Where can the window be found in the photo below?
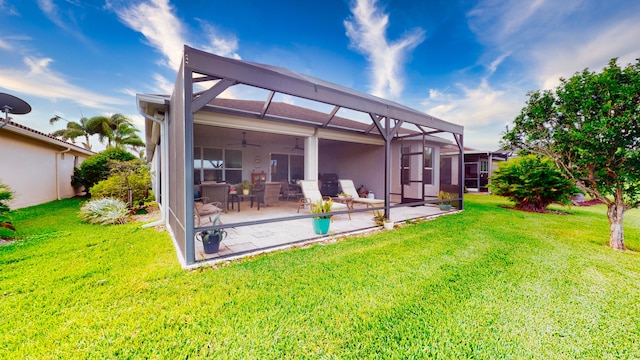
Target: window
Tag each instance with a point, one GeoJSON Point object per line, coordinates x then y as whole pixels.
{"type": "Point", "coordinates": [427, 177]}
{"type": "Point", "coordinates": [217, 165]}
{"type": "Point", "coordinates": [286, 167]}
{"type": "Point", "coordinates": [484, 166]}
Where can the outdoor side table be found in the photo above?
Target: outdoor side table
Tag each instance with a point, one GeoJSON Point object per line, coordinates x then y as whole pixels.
{"type": "Point", "coordinates": [241, 197]}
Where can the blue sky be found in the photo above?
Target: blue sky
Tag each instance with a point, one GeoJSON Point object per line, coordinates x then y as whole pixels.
{"type": "Point", "coordinates": [468, 62]}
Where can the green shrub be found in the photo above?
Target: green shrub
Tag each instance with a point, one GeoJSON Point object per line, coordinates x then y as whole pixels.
{"type": "Point", "coordinates": [125, 175]}
{"type": "Point", "coordinates": [532, 182]}
{"type": "Point", "coordinates": [6, 227]}
{"type": "Point", "coordinates": [97, 167]}
{"type": "Point", "coordinates": [104, 211]}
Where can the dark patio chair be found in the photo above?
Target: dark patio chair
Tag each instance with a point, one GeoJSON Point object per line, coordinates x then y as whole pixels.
{"type": "Point", "coordinates": [290, 190]}
{"type": "Point", "coordinates": [216, 193]}
{"type": "Point", "coordinates": [269, 195]}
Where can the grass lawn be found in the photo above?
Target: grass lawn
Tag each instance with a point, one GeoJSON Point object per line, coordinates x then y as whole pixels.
{"type": "Point", "coordinates": [487, 283]}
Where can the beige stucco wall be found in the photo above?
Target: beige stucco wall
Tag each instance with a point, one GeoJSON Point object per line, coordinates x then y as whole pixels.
{"type": "Point", "coordinates": [28, 167]}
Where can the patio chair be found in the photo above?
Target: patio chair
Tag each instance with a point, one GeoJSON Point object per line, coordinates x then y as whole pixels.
{"type": "Point", "coordinates": [312, 195]}
{"type": "Point", "coordinates": [290, 190]}
{"type": "Point", "coordinates": [218, 192]}
{"type": "Point", "coordinates": [269, 194]}
{"type": "Point", "coordinates": [350, 190]}
{"type": "Point", "coordinates": [203, 208]}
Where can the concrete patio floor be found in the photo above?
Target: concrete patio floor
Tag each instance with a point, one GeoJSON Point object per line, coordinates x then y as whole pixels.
{"type": "Point", "coordinates": [243, 241]}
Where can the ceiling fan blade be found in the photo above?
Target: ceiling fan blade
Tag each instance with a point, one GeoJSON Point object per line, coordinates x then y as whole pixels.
{"type": "Point", "coordinates": [295, 147]}
{"type": "Point", "coordinates": [244, 142]}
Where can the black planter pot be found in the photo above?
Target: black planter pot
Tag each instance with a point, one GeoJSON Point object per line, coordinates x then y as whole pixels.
{"type": "Point", "coordinates": [211, 241]}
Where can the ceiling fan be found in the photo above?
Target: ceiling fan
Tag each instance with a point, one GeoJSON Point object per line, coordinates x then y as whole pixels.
{"type": "Point", "coordinates": [296, 147]}
{"type": "Point", "coordinates": [244, 142]}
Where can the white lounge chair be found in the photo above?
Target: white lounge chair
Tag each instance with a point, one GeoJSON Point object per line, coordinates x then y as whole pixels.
{"type": "Point", "coordinates": [312, 195]}
{"type": "Point", "coordinates": [350, 190]}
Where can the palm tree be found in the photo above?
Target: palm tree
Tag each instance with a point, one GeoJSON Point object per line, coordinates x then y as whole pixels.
{"type": "Point", "coordinates": [126, 134]}
{"type": "Point", "coordinates": [118, 130]}
{"type": "Point", "coordinates": [73, 130]}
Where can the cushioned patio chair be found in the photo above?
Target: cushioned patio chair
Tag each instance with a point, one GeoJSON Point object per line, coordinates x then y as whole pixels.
{"type": "Point", "coordinates": [203, 208]}
{"type": "Point", "coordinates": [216, 192]}
{"type": "Point", "coordinates": [269, 194]}
{"type": "Point", "coordinates": [312, 195]}
{"type": "Point", "coordinates": [350, 190]}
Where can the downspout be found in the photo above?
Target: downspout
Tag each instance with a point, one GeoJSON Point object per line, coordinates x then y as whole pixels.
{"type": "Point", "coordinates": [57, 172]}
{"type": "Point", "coordinates": [163, 184]}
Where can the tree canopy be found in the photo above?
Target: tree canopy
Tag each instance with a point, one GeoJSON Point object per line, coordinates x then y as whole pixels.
{"type": "Point", "coordinates": [589, 126]}
{"type": "Point", "coordinates": [73, 130]}
{"type": "Point", "coordinates": [117, 130]}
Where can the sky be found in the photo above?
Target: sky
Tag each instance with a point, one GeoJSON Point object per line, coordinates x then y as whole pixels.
{"type": "Point", "coordinates": [467, 62]}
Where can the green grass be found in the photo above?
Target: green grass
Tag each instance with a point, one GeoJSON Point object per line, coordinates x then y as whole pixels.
{"type": "Point", "coordinates": [487, 283]}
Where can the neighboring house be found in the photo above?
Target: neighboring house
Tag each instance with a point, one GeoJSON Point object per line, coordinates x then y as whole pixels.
{"type": "Point", "coordinates": [37, 166]}
{"type": "Point", "coordinates": [287, 126]}
{"type": "Point", "coordinates": [479, 166]}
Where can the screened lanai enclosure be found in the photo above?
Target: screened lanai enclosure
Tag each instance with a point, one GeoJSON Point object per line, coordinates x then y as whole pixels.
{"type": "Point", "coordinates": [231, 121]}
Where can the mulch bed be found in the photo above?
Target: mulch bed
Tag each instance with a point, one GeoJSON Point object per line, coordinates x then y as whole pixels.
{"type": "Point", "coordinates": [545, 211]}
{"type": "Point", "coordinates": [589, 202]}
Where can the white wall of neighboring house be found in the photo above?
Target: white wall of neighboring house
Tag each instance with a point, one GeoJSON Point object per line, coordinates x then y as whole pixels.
{"type": "Point", "coordinates": [37, 167]}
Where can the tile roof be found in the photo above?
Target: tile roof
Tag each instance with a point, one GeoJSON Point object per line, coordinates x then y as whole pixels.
{"type": "Point", "coordinates": [49, 138]}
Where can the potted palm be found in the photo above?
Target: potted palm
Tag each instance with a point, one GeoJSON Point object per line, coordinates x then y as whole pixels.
{"type": "Point", "coordinates": [211, 239]}
{"type": "Point", "coordinates": [246, 186]}
{"type": "Point", "coordinates": [445, 205]}
{"type": "Point", "coordinates": [321, 223]}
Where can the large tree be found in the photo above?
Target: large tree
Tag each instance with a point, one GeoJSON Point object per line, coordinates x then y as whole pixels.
{"type": "Point", "coordinates": [118, 130]}
{"type": "Point", "coordinates": [589, 126]}
{"type": "Point", "coordinates": [73, 130]}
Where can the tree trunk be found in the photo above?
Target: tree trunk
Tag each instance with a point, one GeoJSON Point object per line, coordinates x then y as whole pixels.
{"type": "Point", "coordinates": [615, 212]}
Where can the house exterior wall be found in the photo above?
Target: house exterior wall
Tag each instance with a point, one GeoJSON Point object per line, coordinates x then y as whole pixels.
{"type": "Point", "coordinates": [178, 144]}
{"type": "Point", "coordinates": [364, 164]}
{"type": "Point", "coordinates": [29, 169]}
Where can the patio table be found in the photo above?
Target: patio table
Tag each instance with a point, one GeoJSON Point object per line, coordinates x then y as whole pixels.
{"type": "Point", "coordinates": [241, 197]}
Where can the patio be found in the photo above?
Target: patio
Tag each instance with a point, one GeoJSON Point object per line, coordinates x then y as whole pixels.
{"type": "Point", "coordinates": [287, 126]}
{"type": "Point", "coordinates": [243, 241]}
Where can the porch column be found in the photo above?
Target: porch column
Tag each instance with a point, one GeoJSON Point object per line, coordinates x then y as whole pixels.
{"type": "Point", "coordinates": [311, 158]}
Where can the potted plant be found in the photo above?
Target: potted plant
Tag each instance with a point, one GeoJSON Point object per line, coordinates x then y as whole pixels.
{"type": "Point", "coordinates": [445, 205]}
{"type": "Point", "coordinates": [211, 239]}
{"type": "Point", "coordinates": [321, 223]}
{"type": "Point", "coordinates": [388, 224]}
{"type": "Point", "coordinates": [380, 220]}
{"type": "Point", "coordinates": [246, 186]}
{"type": "Point", "coordinates": [378, 217]}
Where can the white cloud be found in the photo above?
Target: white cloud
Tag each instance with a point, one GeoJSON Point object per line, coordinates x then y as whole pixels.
{"type": "Point", "coordinates": [155, 19]}
{"type": "Point", "coordinates": [473, 106]}
{"type": "Point", "coordinates": [553, 39]}
{"type": "Point", "coordinates": [37, 79]}
{"type": "Point", "coordinates": [219, 43]}
{"type": "Point", "coordinates": [162, 85]}
{"type": "Point", "coordinates": [65, 20]}
{"type": "Point", "coordinates": [4, 45]}
{"type": "Point", "coordinates": [564, 58]}
{"type": "Point", "coordinates": [367, 32]}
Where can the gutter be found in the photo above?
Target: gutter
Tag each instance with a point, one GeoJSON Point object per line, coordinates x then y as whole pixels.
{"type": "Point", "coordinates": [57, 172]}
{"type": "Point", "coordinates": [163, 185]}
